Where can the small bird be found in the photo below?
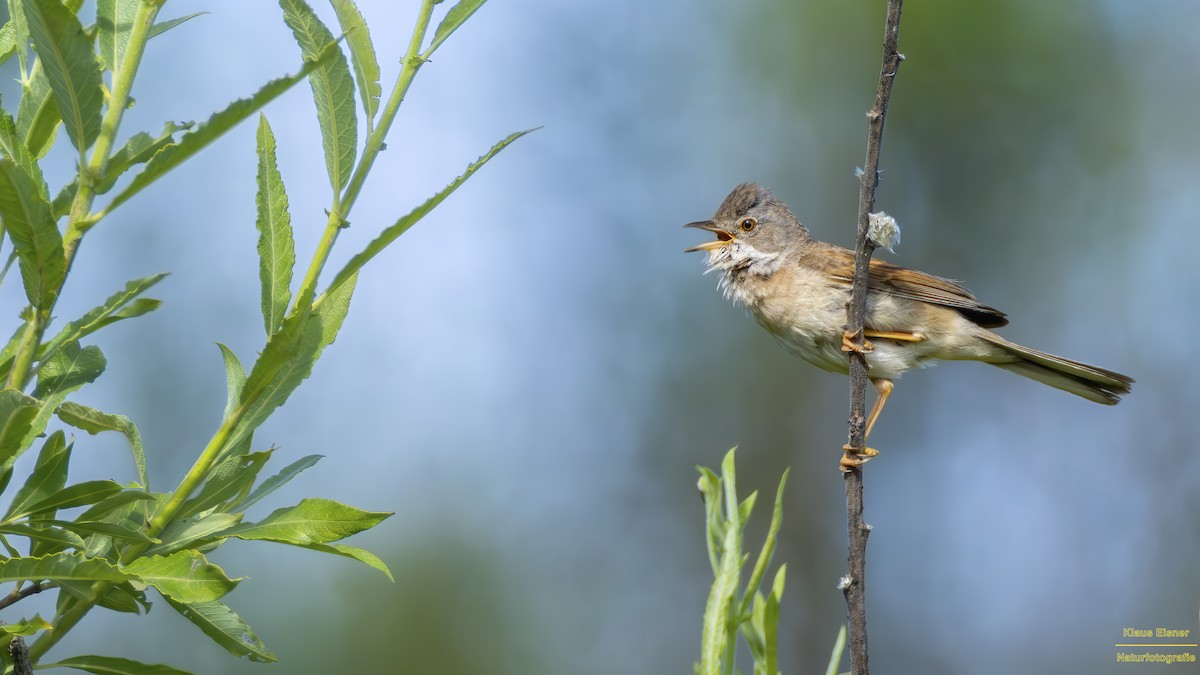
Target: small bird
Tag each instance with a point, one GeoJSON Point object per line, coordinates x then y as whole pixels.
{"type": "Point", "coordinates": [798, 289]}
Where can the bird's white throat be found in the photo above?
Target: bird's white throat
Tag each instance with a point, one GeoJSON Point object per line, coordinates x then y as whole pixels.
{"type": "Point", "coordinates": [736, 261]}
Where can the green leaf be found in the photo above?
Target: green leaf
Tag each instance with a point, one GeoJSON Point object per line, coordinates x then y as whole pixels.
{"type": "Point", "coordinates": [230, 481]}
{"type": "Point", "coordinates": [835, 658]}
{"type": "Point", "coordinates": [27, 627]}
{"type": "Point", "coordinates": [103, 508]}
{"type": "Point", "coordinates": [226, 628]}
{"type": "Point", "coordinates": [235, 378]}
{"type": "Point", "coordinates": [93, 421]}
{"type": "Point", "coordinates": [39, 246]}
{"type": "Point", "coordinates": [276, 249]}
{"type": "Point", "coordinates": [332, 311]}
{"type": "Point", "coordinates": [164, 26]}
{"type": "Point", "coordinates": [284, 363]}
{"type": "Point", "coordinates": [65, 52]}
{"type": "Point", "coordinates": [360, 554]}
{"type": "Point", "coordinates": [139, 149]}
{"type": "Point", "coordinates": [333, 91]}
{"type": "Point", "coordinates": [70, 368]}
{"type": "Point", "coordinates": [59, 567]}
{"type": "Point", "coordinates": [277, 481]}
{"type": "Point", "coordinates": [37, 114]}
{"type": "Point", "coordinates": [118, 306]}
{"type": "Point", "coordinates": [87, 528]}
{"type": "Point", "coordinates": [80, 494]}
{"type": "Point", "coordinates": [17, 415]}
{"type": "Point", "coordinates": [184, 533]}
{"type": "Point", "coordinates": [123, 598]}
{"type": "Point", "coordinates": [16, 13]}
{"type": "Point", "coordinates": [8, 40]}
{"type": "Point", "coordinates": [186, 576]}
{"type": "Point", "coordinates": [114, 21]}
{"type": "Point", "coordinates": [48, 477]}
{"type": "Point", "coordinates": [454, 18]}
{"type": "Point", "coordinates": [173, 155]}
{"type": "Point", "coordinates": [13, 147]}
{"type": "Point", "coordinates": [51, 536]}
{"type": "Point", "coordinates": [111, 665]}
{"type": "Point", "coordinates": [768, 547]}
{"type": "Point", "coordinates": [312, 521]}
{"type": "Point", "coordinates": [401, 226]}
{"type": "Point", "coordinates": [362, 55]}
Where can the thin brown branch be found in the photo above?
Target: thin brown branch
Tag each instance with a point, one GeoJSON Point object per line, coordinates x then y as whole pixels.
{"type": "Point", "coordinates": [854, 585]}
{"type": "Point", "coordinates": [19, 595]}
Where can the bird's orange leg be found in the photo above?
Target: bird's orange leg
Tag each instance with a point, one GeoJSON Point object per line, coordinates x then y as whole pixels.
{"type": "Point", "coordinates": [902, 336]}
{"type": "Point", "coordinates": [853, 458]}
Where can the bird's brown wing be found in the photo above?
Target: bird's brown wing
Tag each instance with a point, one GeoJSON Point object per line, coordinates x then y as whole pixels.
{"type": "Point", "coordinates": [906, 283]}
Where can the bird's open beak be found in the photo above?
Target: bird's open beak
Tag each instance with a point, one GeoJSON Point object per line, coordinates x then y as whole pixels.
{"type": "Point", "coordinates": [723, 237]}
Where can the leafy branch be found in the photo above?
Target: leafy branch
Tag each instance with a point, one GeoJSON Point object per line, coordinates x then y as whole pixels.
{"type": "Point", "coordinates": [128, 539]}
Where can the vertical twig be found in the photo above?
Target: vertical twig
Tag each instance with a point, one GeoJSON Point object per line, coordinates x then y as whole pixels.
{"type": "Point", "coordinates": [854, 584]}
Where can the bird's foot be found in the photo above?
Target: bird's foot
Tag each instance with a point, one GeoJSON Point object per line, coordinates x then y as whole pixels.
{"type": "Point", "coordinates": [848, 344]}
{"type": "Point", "coordinates": [854, 458]}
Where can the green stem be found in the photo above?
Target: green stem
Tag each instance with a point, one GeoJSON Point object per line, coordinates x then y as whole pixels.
{"type": "Point", "coordinates": [118, 100]}
{"type": "Point", "coordinates": [80, 221]}
{"type": "Point", "coordinates": [413, 61]}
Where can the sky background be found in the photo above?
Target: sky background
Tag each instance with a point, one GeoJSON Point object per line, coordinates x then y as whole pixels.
{"type": "Point", "coordinates": [529, 377]}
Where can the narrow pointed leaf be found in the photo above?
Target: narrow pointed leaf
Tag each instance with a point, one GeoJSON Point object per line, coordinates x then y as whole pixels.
{"type": "Point", "coordinates": [65, 52]}
{"type": "Point", "coordinates": [277, 481]}
{"type": "Point", "coordinates": [69, 369]}
{"type": "Point", "coordinates": [230, 481]}
{"type": "Point", "coordinates": [185, 533]}
{"type": "Point", "coordinates": [192, 142]}
{"type": "Point", "coordinates": [276, 249]}
{"type": "Point", "coordinates": [185, 576]}
{"type": "Point", "coordinates": [401, 226]}
{"type": "Point", "coordinates": [123, 598]}
{"type": "Point", "coordinates": [13, 147]}
{"type": "Point", "coordinates": [80, 494]}
{"type": "Point", "coordinates": [360, 554]}
{"type": "Point", "coordinates": [164, 26]}
{"type": "Point", "coordinates": [115, 308]}
{"type": "Point", "coordinates": [48, 477]}
{"type": "Point", "coordinates": [111, 665]}
{"type": "Point", "coordinates": [333, 91]}
{"type": "Point", "coordinates": [139, 149]}
{"type": "Point", "coordinates": [839, 647]}
{"type": "Point", "coordinates": [235, 378]}
{"type": "Point", "coordinates": [17, 415]}
{"type": "Point", "coordinates": [37, 115]}
{"type": "Point", "coordinates": [51, 536]}
{"type": "Point", "coordinates": [102, 509]}
{"type": "Point", "coordinates": [35, 235]}
{"type": "Point", "coordinates": [284, 363]}
{"type": "Point", "coordinates": [114, 21]}
{"type": "Point", "coordinates": [226, 628]}
{"type": "Point", "coordinates": [59, 567]}
{"type": "Point", "coordinates": [93, 421]}
{"type": "Point", "coordinates": [454, 18]}
{"type": "Point", "coordinates": [333, 309]}
{"type": "Point", "coordinates": [362, 55]}
{"type": "Point", "coordinates": [87, 528]}
{"type": "Point", "coordinates": [312, 521]}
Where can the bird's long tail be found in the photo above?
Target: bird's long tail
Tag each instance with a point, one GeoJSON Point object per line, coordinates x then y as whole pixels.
{"type": "Point", "coordinates": [1090, 382]}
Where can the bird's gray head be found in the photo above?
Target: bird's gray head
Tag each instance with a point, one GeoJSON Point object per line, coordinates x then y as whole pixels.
{"type": "Point", "coordinates": [755, 232]}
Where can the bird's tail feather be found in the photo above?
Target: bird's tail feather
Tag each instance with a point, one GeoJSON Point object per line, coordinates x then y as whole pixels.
{"type": "Point", "coordinates": [1090, 382]}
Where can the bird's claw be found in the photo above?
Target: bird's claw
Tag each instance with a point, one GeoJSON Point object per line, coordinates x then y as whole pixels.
{"type": "Point", "coordinates": [849, 345]}
{"type": "Point", "coordinates": [854, 458]}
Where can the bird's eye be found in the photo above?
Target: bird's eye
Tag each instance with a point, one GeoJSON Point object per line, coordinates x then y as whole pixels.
{"type": "Point", "coordinates": [747, 224]}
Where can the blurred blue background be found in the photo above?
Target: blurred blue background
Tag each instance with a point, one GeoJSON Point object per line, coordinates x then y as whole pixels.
{"type": "Point", "coordinates": [530, 375]}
